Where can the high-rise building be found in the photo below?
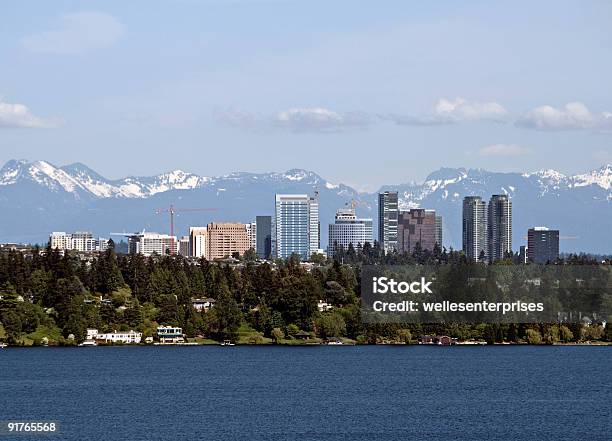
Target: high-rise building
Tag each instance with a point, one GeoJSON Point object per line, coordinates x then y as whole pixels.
{"type": "Point", "coordinates": [439, 230]}
{"type": "Point", "coordinates": [82, 241]}
{"type": "Point", "coordinates": [147, 243]}
{"type": "Point", "coordinates": [474, 227]}
{"type": "Point", "coordinates": [225, 239]}
{"type": "Point", "coordinates": [542, 245]}
{"type": "Point", "coordinates": [387, 220]}
{"type": "Point", "coordinates": [197, 241]}
{"type": "Point", "coordinates": [296, 225]}
{"type": "Point", "coordinates": [416, 226]}
{"type": "Point", "coordinates": [499, 227]}
{"type": "Point", "coordinates": [252, 233]}
{"type": "Point", "coordinates": [263, 244]}
{"type": "Point", "coordinates": [348, 229]}
{"type": "Point", "coordinates": [183, 246]}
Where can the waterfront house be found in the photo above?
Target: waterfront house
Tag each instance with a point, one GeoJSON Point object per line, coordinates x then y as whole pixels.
{"type": "Point", "coordinates": [440, 340]}
{"type": "Point", "coordinates": [170, 334]}
{"type": "Point", "coordinates": [120, 337]}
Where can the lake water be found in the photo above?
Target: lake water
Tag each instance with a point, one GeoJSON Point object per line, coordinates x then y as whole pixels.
{"type": "Point", "coordinates": [311, 393]}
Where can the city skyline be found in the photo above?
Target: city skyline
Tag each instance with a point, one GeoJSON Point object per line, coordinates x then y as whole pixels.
{"type": "Point", "coordinates": [450, 83]}
{"type": "Point", "coordinates": [77, 198]}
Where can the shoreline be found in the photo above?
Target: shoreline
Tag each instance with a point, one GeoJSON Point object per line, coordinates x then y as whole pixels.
{"type": "Point", "coordinates": [475, 344]}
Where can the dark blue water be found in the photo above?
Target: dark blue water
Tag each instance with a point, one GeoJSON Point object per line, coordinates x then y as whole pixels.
{"type": "Point", "coordinates": [311, 393]}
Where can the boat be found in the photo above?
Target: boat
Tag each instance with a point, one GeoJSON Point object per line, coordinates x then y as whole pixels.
{"type": "Point", "coordinates": [228, 343]}
{"type": "Point", "coordinates": [3, 345]}
{"type": "Point", "coordinates": [335, 342]}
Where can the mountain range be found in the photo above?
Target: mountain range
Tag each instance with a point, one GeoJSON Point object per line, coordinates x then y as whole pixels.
{"type": "Point", "coordinates": [37, 197]}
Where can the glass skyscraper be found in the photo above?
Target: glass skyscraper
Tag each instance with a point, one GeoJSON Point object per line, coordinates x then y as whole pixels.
{"type": "Point", "coordinates": [263, 241]}
{"type": "Point", "coordinates": [474, 227]}
{"type": "Point", "coordinates": [388, 212]}
{"type": "Point", "coordinates": [296, 225]}
{"type": "Point", "coordinates": [499, 227]}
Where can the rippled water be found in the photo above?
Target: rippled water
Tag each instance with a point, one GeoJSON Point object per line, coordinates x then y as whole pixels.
{"type": "Point", "coordinates": [311, 393]}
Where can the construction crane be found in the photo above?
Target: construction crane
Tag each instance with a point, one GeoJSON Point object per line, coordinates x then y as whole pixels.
{"type": "Point", "coordinates": [172, 210]}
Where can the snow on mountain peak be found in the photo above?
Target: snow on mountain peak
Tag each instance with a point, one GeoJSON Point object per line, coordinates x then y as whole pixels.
{"type": "Point", "coordinates": [549, 175]}
{"type": "Point", "coordinates": [601, 177]}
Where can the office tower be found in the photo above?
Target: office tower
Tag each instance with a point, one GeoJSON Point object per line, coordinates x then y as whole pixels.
{"type": "Point", "coordinates": [296, 225]}
{"type": "Point", "coordinates": [314, 230]}
{"type": "Point", "coordinates": [499, 227]}
{"type": "Point", "coordinates": [387, 220]}
{"type": "Point", "coordinates": [347, 229]}
{"type": "Point", "coordinates": [474, 227]}
{"type": "Point", "coordinates": [416, 226]}
{"type": "Point", "coordinates": [542, 245]}
{"type": "Point", "coordinates": [264, 236]}
{"type": "Point", "coordinates": [197, 241]}
{"type": "Point", "coordinates": [183, 246]}
{"type": "Point", "coordinates": [439, 230]}
{"type": "Point", "coordinates": [147, 243]}
{"type": "Point", "coordinates": [225, 239]}
{"type": "Point", "coordinates": [523, 254]}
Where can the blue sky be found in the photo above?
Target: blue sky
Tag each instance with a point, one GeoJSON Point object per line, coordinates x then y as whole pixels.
{"type": "Point", "coordinates": [363, 93]}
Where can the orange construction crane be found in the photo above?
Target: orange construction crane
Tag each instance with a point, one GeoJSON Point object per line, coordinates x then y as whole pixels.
{"type": "Point", "coordinates": [171, 210]}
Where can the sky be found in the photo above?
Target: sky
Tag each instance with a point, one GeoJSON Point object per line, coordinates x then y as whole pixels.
{"type": "Point", "coordinates": [362, 92]}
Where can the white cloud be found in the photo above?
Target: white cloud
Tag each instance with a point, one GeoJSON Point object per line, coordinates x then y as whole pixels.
{"type": "Point", "coordinates": [503, 150]}
{"type": "Point", "coordinates": [318, 119]}
{"type": "Point", "coordinates": [80, 31]}
{"type": "Point", "coordinates": [452, 111]}
{"type": "Point", "coordinates": [297, 120]}
{"type": "Point", "coordinates": [572, 116]}
{"type": "Point", "coordinates": [19, 116]}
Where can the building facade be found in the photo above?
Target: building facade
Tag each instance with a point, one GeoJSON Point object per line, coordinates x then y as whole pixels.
{"type": "Point", "coordinates": [499, 227]}
{"type": "Point", "coordinates": [225, 239]}
{"type": "Point", "coordinates": [474, 227]}
{"type": "Point", "coordinates": [542, 245]}
{"type": "Point", "coordinates": [148, 243]}
{"type": "Point", "coordinates": [263, 241]}
{"type": "Point", "coordinates": [252, 232]}
{"type": "Point", "coordinates": [121, 337]}
{"type": "Point", "coordinates": [388, 212]}
{"type": "Point", "coordinates": [439, 236]}
{"type": "Point", "coordinates": [183, 246]}
{"type": "Point", "coordinates": [416, 226]}
{"type": "Point", "coordinates": [82, 241]}
{"type": "Point", "coordinates": [296, 225]}
{"type": "Point", "coordinates": [347, 229]}
{"type": "Point", "coordinates": [197, 241]}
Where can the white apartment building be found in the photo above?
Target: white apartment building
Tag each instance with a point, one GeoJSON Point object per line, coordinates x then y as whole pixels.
{"type": "Point", "coordinates": [197, 241]}
{"type": "Point", "coordinates": [147, 243]}
{"type": "Point", "coordinates": [82, 241]}
{"type": "Point", "coordinates": [252, 233]}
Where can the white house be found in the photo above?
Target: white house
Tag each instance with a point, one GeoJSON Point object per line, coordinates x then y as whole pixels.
{"type": "Point", "coordinates": [125, 337]}
{"type": "Point", "coordinates": [203, 304]}
{"type": "Point", "coordinates": [170, 334]}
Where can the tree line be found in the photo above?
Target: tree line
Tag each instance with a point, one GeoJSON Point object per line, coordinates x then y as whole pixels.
{"type": "Point", "coordinates": [50, 296]}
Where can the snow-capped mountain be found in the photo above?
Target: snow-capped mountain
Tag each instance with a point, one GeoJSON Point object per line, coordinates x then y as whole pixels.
{"type": "Point", "coordinates": [39, 197]}
{"type": "Point", "coordinates": [77, 178]}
